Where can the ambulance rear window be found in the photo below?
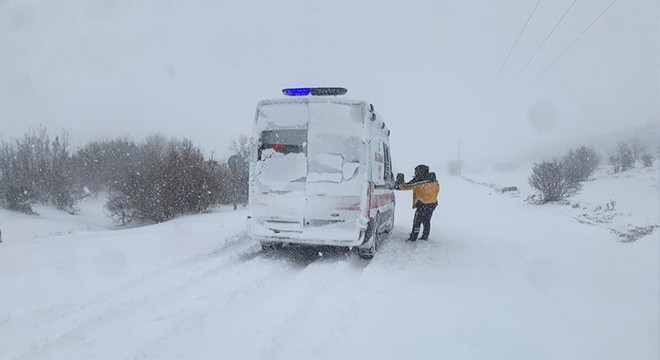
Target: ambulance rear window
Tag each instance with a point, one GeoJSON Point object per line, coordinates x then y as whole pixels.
{"type": "Point", "coordinates": [282, 142]}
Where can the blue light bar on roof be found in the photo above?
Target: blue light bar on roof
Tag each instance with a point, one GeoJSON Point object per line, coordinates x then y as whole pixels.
{"type": "Point", "coordinates": [296, 91]}
{"type": "Point", "coordinates": [319, 91]}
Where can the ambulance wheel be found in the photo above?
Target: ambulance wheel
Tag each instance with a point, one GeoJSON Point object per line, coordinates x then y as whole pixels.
{"type": "Point", "coordinates": [369, 251]}
{"type": "Point", "coordinates": [390, 225]}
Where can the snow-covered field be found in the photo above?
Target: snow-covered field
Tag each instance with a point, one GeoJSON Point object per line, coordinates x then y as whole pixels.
{"type": "Point", "coordinates": [499, 279]}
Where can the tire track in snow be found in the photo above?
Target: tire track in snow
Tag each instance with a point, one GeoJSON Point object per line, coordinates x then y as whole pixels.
{"type": "Point", "coordinates": [108, 310]}
{"type": "Point", "coordinates": [110, 302]}
{"type": "Point", "coordinates": [197, 278]}
{"type": "Point", "coordinates": [184, 313]}
{"type": "Point", "coordinates": [330, 299]}
{"type": "Point", "coordinates": [218, 252]}
{"type": "Point", "coordinates": [270, 293]}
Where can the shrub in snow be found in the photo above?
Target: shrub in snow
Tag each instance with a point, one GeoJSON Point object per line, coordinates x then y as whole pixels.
{"type": "Point", "coordinates": [549, 178]}
{"type": "Point", "coordinates": [17, 199]}
{"type": "Point", "coordinates": [627, 153]}
{"type": "Point", "coordinates": [615, 161]}
{"type": "Point", "coordinates": [610, 205]}
{"type": "Point", "coordinates": [154, 180]}
{"type": "Point", "coordinates": [580, 164]}
{"type": "Point", "coordinates": [36, 169]}
{"type": "Point", "coordinates": [100, 164]}
{"type": "Point", "coordinates": [120, 208]}
{"type": "Point", "coordinates": [647, 160]}
{"type": "Point", "coordinates": [182, 182]}
{"type": "Point", "coordinates": [625, 156]}
{"type": "Point", "coordinates": [555, 180]}
{"type": "Point", "coordinates": [637, 148]}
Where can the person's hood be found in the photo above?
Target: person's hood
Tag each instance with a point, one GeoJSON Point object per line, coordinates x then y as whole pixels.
{"type": "Point", "coordinates": [422, 169]}
{"type": "Point", "coordinates": [424, 176]}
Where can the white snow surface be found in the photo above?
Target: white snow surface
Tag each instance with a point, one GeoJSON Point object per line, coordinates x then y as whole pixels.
{"type": "Point", "coordinates": [498, 279]}
{"type": "Point", "coordinates": [280, 170]}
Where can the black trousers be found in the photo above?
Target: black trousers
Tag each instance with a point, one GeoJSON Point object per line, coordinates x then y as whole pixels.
{"type": "Point", "coordinates": [422, 217]}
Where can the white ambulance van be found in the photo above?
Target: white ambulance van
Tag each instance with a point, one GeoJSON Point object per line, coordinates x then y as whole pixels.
{"type": "Point", "coordinates": [320, 173]}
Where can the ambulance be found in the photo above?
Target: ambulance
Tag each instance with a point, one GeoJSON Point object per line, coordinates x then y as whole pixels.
{"type": "Point", "coordinates": [320, 172]}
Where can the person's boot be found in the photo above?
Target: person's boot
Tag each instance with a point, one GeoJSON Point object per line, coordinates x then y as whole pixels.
{"type": "Point", "coordinates": [425, 234]}
{"type": "Point", "coordinates": [413, 236]}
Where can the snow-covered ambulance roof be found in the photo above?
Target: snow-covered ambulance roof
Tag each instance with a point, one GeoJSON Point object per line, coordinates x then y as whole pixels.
{"type": "Point", "coordinates": [323, 95]}
{"type": "Point", "coordinates": [307, 100]}
{"type": "Point", "coordinates": [326, 99]}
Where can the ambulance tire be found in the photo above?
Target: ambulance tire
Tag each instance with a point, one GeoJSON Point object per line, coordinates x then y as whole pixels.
{"type": "Point", "coordinates": [368, 253]}
{"type": "Point", "coordinates": [390, 224]}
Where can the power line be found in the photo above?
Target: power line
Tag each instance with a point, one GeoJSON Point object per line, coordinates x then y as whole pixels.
{"type": "Point", "coordinates": [571, 45]}
{"type": "Point", "coordinates": [509, 53]}
{"type": "Point", "coordinates": [537, 50]}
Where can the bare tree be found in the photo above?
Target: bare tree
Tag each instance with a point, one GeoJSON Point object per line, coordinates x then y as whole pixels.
{"type": "Point", "coordinates": [242, 146]}
{"type": "Point", "coordinates": [549, 178]}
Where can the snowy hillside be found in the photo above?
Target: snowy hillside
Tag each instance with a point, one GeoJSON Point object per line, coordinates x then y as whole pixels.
{"type": "Point", "coordinates": [499, 279]}
{"type": "Point", "coordinates": [625, 203]}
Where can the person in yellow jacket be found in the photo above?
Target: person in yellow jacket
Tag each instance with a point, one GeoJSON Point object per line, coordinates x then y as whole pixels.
{"type": "Point", "coordinates": [425, 189]}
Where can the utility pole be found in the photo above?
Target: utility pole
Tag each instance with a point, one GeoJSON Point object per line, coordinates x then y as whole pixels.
{"type": "Point", "coordinates": [459, 165]}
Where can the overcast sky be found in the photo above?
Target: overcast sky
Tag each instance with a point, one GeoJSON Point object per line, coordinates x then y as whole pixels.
{"type": "Point", "coordinates": [196, 68]}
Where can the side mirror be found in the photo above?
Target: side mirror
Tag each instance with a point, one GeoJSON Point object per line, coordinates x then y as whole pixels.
{"type": "Point", "coordinates": [399, 178]}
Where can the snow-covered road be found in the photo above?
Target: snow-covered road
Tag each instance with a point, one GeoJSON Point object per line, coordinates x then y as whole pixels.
{"type": "Point", "coordinates": [498, 279]}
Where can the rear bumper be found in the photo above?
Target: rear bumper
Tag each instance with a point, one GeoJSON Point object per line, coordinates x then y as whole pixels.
{"type": "Point", "coordinates": [331, 235]}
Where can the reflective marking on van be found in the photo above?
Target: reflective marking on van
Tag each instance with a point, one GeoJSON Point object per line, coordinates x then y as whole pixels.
{"type": "Point", "coordinates": [381, 199]}
{"type": "Point", "coordinates": [350, 203]}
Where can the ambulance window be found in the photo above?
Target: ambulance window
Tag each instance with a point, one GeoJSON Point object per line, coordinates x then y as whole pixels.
{"type": "Point", "coordinates": [282, 142]}
{"type": "Point", "coordinates": [387, 175]}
